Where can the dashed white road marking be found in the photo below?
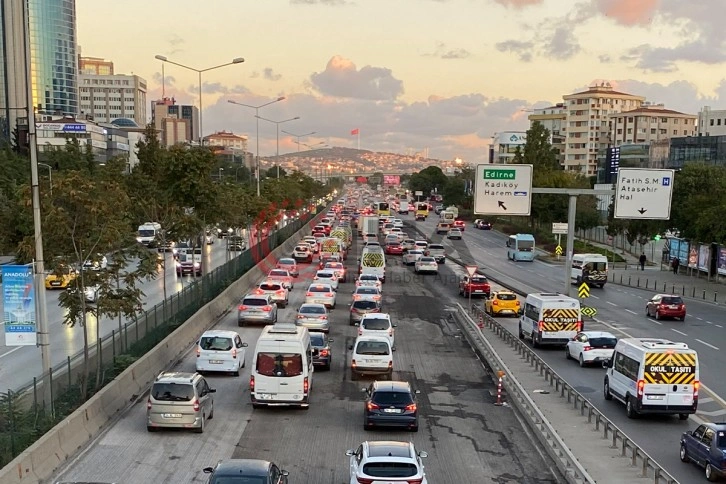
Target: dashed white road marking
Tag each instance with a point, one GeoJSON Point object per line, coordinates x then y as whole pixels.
{"type": "Point", "coordinates": [654, 321]}
{"type": "Point", "coordinates": [611, 303]}
{"type": "Point", "coordinates": [679, 332]}
{"type": "Point", "coordinates": [631, 312]}
{"type": "Point", "coordinates": [700, 319]}
{"type": "Point", "coordinates": [709, 322]}
{"type": "Point", "coordinates": [709, 345]}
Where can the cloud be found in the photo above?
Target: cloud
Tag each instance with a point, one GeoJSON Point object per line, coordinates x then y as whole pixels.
{"type": "Point", "coordinates": [521, 48]}
{"type": "Point", "coordinates": [443, 52]}
{"type": "Point", "coordinates": [176, 44]}
{"type": "Point", "coordinates": [604, 58]}
{"type": "Point", "coordinates": [216, 88]}
{"type": "Point", "coordinates": [341, 78]}
{"type": "Point", "coordinates": [519, 3]}
{"type": "Point", "coordinates": [254, 74]}
{"type": "Point", "coordinates": [270, 75]}
{"type": "Point", "coordinates": [168, 80]}
{"type": "Point", "coordinates": [628, 12]}
{"type": "Point", "coordinates": [562, 44]}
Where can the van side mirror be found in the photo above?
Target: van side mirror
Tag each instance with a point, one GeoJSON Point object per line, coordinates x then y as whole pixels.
{"type": "Point", "coordinates": [607, 364]}
{"type": "Point", "coordinates": [350, 347]}
{"type": "Point", "coordinates": [212, 390]}
{"type": "Point", "coordinates": [244, 345]}
{"type": "Point", "coordinates": [395, 325]}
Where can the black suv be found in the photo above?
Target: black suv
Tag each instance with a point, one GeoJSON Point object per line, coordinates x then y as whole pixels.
{"type": "Point", "coordinates": [246, 470]}
{"type": "Point", "coordinates": [390, 404]}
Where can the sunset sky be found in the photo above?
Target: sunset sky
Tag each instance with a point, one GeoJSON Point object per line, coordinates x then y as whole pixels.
{"type": "Point", "coordinates": [410, 74]}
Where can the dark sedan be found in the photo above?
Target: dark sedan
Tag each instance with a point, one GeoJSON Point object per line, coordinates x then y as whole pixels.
{"type": "Point", "coordinates": [390, 404]}
{"type": "Point", "coordinates": [245, 471]}
{"type": "Point", "coordinates": [482, 224]}
{"type": "Point", "coordinates": [322, 353]}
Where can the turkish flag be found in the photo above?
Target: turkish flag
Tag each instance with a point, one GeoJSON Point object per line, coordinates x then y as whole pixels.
{"type": "Point", "coordinates": [355, 131]}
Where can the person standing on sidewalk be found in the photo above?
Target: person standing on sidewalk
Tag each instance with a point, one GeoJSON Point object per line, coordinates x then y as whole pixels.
{"type": "Point", "coordinates": [675, 265]}
{"type": "Point", "coordinates": [642, 260]}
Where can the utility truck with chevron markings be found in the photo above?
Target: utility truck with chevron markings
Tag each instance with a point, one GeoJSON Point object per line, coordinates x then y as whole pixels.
{"type": "Point", "coordinates": [550, 319]}
{"type": "Point", "coordinates": [653, 375]}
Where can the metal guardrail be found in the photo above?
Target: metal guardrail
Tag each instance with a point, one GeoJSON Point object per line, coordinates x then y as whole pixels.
{"type": "Point", "coordinates": [643, 282]}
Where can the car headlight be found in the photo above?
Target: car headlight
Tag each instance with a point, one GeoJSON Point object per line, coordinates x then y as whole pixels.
{"type": "Point", "coordinates": [178, 265]}
{"type": "Point", "coordinates": [197, 265]}
{"type": "Point", "coordinates": [138, 239]}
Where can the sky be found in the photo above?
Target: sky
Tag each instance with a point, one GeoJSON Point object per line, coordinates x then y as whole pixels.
{"type": "Point", "coordinates": [442, 75]}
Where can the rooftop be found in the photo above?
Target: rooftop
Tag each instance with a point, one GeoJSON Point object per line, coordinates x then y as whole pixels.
{"type": "Point", "coordinates": [653, 110]}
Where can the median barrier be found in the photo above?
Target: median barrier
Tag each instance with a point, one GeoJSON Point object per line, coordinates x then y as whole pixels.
{"type": "Point", "coordinates": [44, 457]}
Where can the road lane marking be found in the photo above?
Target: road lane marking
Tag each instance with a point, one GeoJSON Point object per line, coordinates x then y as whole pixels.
{"type": "Point", "coordinates": [709, 322]}
{"type": "Point", "coordinates": [611, 303]}
{"type": "Point", "coordinates": [705, 400]}
{"type": "Point", "coordinates": [679, 332]}
{"type": "Point", "coordinates": [700, 319]}
{"type": "Point", "coordinates": [654, 321]}
{"type": "Point", "coordinates": [595, 297]}
{"type": "Point", "coordinates": [719, 326]}
{"type": "Point", "coordinates": [709, 345]}
{"type": "Point", "coordinates": [11, 351]}
{"type": "Point", "coordinates": [631, 312]}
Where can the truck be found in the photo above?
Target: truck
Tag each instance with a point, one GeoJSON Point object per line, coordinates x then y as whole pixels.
{"type": "Point", "coordinates": [369, 225]}
{"type": "Point", "coordinates": [453, 209]}
{"type": "Point", "coordinates": [403, 207]}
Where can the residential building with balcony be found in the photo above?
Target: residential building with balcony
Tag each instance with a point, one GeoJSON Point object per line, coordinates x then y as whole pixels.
{"type": "Point", "coordinates": [650, 123]}
{"type": "Point", "coordinates": [227, 140]}
{"type": "Point", "coordinates": [175, 123]}
{"type": "Point", "coordinates": [553, 118]}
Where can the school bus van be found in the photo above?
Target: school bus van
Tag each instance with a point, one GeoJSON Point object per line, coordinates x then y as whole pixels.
{"type": "Point", "coordinates": [550, 319]}
{"type": "Point", "coordinates": [589, 268]}
{"type": "Point", "coordinates": [653, 375]}
{"type": "Point", "coordinates": [373, 261]}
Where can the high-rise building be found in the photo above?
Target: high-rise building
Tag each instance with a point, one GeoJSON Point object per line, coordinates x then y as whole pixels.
{"type": "Point", "coordinates": [171, 131]}
{"type": "Point", "coordinates": [711, 122]}
{"type": "Point", "coordinates": [95, 65]}
{"type": "Point", "coordinates": [13, 98]}
{"type": "Point", "coordinates": [587, 124]}
{"type": "Point", "coordinates": [109, 97]}
{"type": "Point", "coordinates": [553, 119]}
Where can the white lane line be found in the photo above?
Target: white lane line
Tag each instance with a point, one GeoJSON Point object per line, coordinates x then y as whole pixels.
{"type": "Point", "coordinates": [700, 319]}
{"type": "Point", "coordinates": [719, 326]}
{"type": "Point", "coordinates": [709, 345]}
{"type": "Point", "coordinates": [631, 312]}
{"type": "Point", "coordinates": [11, 352]}
{"type": "Point", "coordinates": [611, 303]}
{"type": "Point", "coordinates": [539, 274]}
{"type": "Point", "coordinates": [656, 322]}
{"type": "Point", "coordinates": [679, 332]}
{"type": "Point", "coordinates": [595, 297]}
{"type": "Point", "coordinates": [708, 322]}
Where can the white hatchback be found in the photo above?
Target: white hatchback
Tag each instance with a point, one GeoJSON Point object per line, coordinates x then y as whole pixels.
{"type": "Point", "coordinates": [371, 355]}
{"type": "Point", "coordinates": [220, 350]}
{"type": "Point", "coordinates": [369, 280]}
{"type": "Point", "coordinates": [589, 347]}
{"type": "Point", "coordinates": [421, 245]}
{"type": "Point", "coordinates": [327, 276]}
{"type": "Point", "coordinates": [411, 256]}
{"type": "Point", "coordinates": [378, 324]}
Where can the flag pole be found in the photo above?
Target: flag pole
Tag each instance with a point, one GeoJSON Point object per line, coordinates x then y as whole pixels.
{"type": "Point", "coordinates": [359, 139]}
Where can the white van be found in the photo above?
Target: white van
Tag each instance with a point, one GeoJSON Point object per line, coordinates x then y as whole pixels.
{"type": "Point", "coordinates": [550, 319]}
{"type": "Point", "coordinates": [653, 375]}
{"type": "Point", "coordinates": [147, 233]}
{"type": "Point", "coordinates": [220, 350]}
{"type": "Point", "coordinates": [282, 368]}
{"type": "Point", "coordinates": [373, 261]}
{"type": "Point", "coordinates": [371, 355]}
{"type": "Point", "coordinates": [589, 268]}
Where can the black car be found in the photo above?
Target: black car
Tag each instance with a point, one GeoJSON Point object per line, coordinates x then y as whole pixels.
{"type": "Point", "coordinates": [235, 243]}
{"type": "Point", "coordinates": [482, 224]}
{"type": "Point", "coordinates": [390, 404]}
{"type": "Point", "coordinates": [244, 471]}
{"type": "Point", "coordinates": [322, 354]}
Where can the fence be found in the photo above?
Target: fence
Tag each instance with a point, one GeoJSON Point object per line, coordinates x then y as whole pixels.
{"type": "Point", "coordinates": [25, 415]}
{"type": "Point", "coordinates": [652, 283]}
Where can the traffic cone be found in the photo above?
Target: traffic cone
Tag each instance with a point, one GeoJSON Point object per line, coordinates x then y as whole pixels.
{"type": "Point", "coordinates": [500, 400]}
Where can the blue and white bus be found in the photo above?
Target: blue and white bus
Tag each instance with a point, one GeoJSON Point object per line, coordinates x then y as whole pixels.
{"type": "Point", "coordinates": [520, 247]}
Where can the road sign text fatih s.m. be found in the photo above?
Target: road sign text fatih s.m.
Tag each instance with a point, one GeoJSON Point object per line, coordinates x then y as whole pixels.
{"type": "Point", "coordinates": [643, 193]}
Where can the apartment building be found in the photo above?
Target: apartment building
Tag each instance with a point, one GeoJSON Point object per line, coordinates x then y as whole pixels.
{"type": "Point", "coordinates": [587, 124]}
{"type": "Point", "coordinates": [504, 146]}
{"type": "Point", "coordinates": [176, 123]}
{"type": "Point", "coordinates": [650, 123]}
{"type": "Point", "coordinates": [711, 123]}
{"type": "Point", "coordinates": [553, 118]}
{"type": "Point", "coordinates": [108, 97]}
{"type": "Point", "coordinates": [95, 65]}
{"type": "Point", "coordinates": [227, 140]}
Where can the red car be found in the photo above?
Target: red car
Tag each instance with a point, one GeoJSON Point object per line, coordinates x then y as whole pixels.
{"type": "Point", "coordinates": [394, 248]}
{"type": "Point", "coordinates": [460, 224]}
{"type": "Point", "coordinates": [477, 285]}
{"type": "Point", "coordinates": [666, 306]}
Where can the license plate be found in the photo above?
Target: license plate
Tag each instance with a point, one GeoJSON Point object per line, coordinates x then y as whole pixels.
{"type": "Point", "coordinates": [478, 291]}
{"type": "Point", "coordinates": [320, 301]}
{"type": "Point", "coordinates": [550, 333]}
{"type": "Point", "coordinates": [392, 410]}
{"type": "Point", "coordinates": [264, 396]}
{"type": "Point", "coordinates": [216, 362]}
{"type": "Point", "coordinates": [674, 307]}
{"type": "Point", "coordinates": [55, 283]}
{"type": "Point", "coordinates": [171, 415]}
{"type": "Point", "coordinates": [371, 361]}
{"type": "Point", "coordinates": [654, 397]}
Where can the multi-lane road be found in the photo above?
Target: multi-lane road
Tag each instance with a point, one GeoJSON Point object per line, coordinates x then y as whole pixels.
{"type": "Point", "coordinates": [621, 310]}
{"type": "Point", "coordinates": [467, 437]}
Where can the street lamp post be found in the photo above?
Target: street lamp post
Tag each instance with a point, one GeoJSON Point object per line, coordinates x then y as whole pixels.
{"type": "Point", "coordinates": [219, 175]}
{"type": "Point", "coordinates": [298, 136]}
{"type": "Point", "coordinates": [257, 118]}
{"type": "Point", "coordinates": [236, 60]}
{"type": "Point", "coordinates": [277, 150]}
{"type": "Point", "coordinates": [50, 176]}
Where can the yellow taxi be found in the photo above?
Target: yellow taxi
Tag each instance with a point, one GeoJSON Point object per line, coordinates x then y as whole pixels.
{"type": "Point", "coordinates": [60, 278]}
{"type": "Point", "coordinates": [502, 303]}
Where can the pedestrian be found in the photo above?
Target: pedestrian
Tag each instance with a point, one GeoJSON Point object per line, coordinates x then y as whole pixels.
{"type": "Point", "coordinates": [642, 260]}
{"type": "Point", "coordinates": [676, 263]}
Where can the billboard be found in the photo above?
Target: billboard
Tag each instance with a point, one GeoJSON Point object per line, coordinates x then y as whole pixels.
{"type": "Point", "coordinates": [679, 248]}
{"type": "Point", "coordinates": [361, 179]}
{"type": "Point", "coordinates": [512, 138]}
{"type": "Point", "coordinates": [19, 305]}
{"type": "Point", "coordinates": [704, 258]}
{"type": "Point", "coordinates": [722, 260]}
{"type": "Point", "coordinates": [693, 257]}
{"type": "Point", "coordinates": [391, 179]}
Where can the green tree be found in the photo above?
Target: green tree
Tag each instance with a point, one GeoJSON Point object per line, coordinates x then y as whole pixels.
{"type": "Point", "coordinates": [699, 202]}
{"type": "Point", "coordinates": [272, 172]}
{"type": "Point", "coordinates": [428, 180]}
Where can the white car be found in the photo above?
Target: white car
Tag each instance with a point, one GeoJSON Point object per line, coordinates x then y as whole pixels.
{"type": "Point", "coordinates": [368, 462]}
{"type": "Point", "coordinates": [426, 264]}
{"type": "Point", "coordinates": [322, 293]}
{"type": "Point", "coordinates": [589, 347]}
{"type": "Point", "coordinates": [370, 238]}
{"type": "Point", "coordinates": [397, 223]}
{"type": "Point", "coordinates": [454, 234]}
{"type": "Point", "coordinates": [276, 290]}
{"type": "Point", "coordinates": [302, 253]}
{"type": "Point", "coordinates": [410, 257]}
{"type": "Point", "coordinates": [408, 244]}
{"type": "Point", "coordinates": [367, 293]}
{"type": "Point", "coordinates": [372, 243]}
{"type": "Point", "coordinates": [378, 324]}
{"type": "Point", "coordinates": [220, 350]}
{"type": "Point", "coordinates": [371, 355]}
{"type": "Point", "coordinates": [91, 293]}
{"type": "Point", "coordinates": [421, 245]}
{"type": "Point", "coordinates": [369, 280]}
{"type": "Point", "coordinates": [95, 263]}
{"type": "Point", "coordinates": [282, 276]}
{"type": "Point", "coordinates": [328, 276]}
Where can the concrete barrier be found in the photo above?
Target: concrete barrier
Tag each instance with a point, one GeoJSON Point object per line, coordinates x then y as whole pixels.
{"type": "Point", "coordinates": [42, 460]}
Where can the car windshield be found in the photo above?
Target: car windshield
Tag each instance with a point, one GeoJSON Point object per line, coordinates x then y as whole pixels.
{"type": "Point", "coordinates": [317, 339]}
{"type": "Point", "coordinates": [368, 277]}
{"type": "Point", "coordinates": [390, 469]}
{"type": "Point", "coordinates": [394, 244]}
{"type": "Point", "coordinates": [217, 343]}
{"type": "Point", "coordinates": [254, 302]}
{"type": "Point", "coordinates": [319, 289]}
{"type": "Point", "coordinates": [278, 273]}
{"type": "Point", "coordinates": [436, 247]}
{"type": "Point", "coordinates": [478, 280]}
{"type": "Point", "coordinates": [672, 300]}
{"type": "Point", "coordinates": [365, 305]}
{"type": "Point", "coordinates": [301, 248]}
{"type": "Point", "coordinates": [146, 233]}
{"type": "Point", "coordinates": [427, 260]}
{"type": "Point", "coordinates": [286, 262]}
{"type": "Point", "coordinates": [366, 290]}
{"type": "Point", "coordinates": [372, 348]}
{"type": "Point", "coordinates": [375, 324]}
{"type": "Point", "coordinates": [326, 275]}
{"type": "Point", "coordinates": [172, 392]}
{"type": "Point", "coordinates": [270, 287]}
{"type": "Point", "coordinates": [602, 342]}
{"type": "Point", "coordinates": [334, 265]}
{"type": "Point", "coordinates": [415, 252]}
{"type": "Point", "coordinates": [506, 297]}
{"type": "Point", "coordinates": [238, 479]}
{"type": "Point", "coordinates": [392, 398]}
{"type": "Point", "coordinates": [312, 310]}
{"type": "Point", "coordinates": [279, 364]}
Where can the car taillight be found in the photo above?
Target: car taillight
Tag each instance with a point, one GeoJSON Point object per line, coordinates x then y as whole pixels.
{"type": "Point", "coordinates": [372, 406]}
{"type": "Point", "coordinates": [360, 331]}
{"type": "Point", "coordinates": [641, 387]}
{"type": "Point", "coordinates": [330, 294]}
{"type": "Point", "coordinates": [280, 292]}
{"type": "Point", "coordinates": [252, 383]}
{"type": "Point", "coordinates": [267, 308]}
{"type": "Point", "coordinates": [540, 325]}
{"type": "Point", "coordinates": [199, 351]}
{"type": "Point", "coordinates": [580, 326]}
{"type": "Point", "coordinates": [195, 405]}
{"type": "Point", "coordinates": [306, 385]}
{"type": "Point", "coordinates": [352, 363]}
{"type": "Point", "coordinates": [148, 404]}
{"type": "Point", "coordinates": [411, 408]}
{"type": "Point", "coordinates": [495, 303]}
{"type": "Point", "coordinates": [696, 386]}
{"type": "Point", "coordinates": [390, 332]}
{"type": "Point", "coordinates": [517, 302]}
{"type": "Point", "coordinates": [390, 364]}
{"type": "Point", "coordinates": [259, 291]}
{"type": "Point", "coordinates": [356, 297]}
{"type": "Point", "coordinates": [415, 481]}
{"type": "Point", "coordinates": [234, 353]}
{"type": "Point", "coordinates": [323, 317]}
{"type": "Point", "coordinates": [587, 348]}
{"type": "Point", "coordinates": [308, 293]}
{"type": "Point", "coordinates": [681, 306]}
{"type": "Point", "coordinates": [324, 352]}
{"type": "Point", "coordinates": [365, 480]}
{"type": "Point", "coordinates": [242, 307]}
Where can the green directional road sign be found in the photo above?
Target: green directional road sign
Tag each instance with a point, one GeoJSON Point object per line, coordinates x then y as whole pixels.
{"type": "Point", "coordinates": [588, 311]}
{"type": "Point", "coordinates": [503, 190]}
{"type": "Point", "coordinates": [584, 290]}
{"type": "Point", "coordinates": [499, 174]}
{"type": "Point", "coordinates": [558, 250]}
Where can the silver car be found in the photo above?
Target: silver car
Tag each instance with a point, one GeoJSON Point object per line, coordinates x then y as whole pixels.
{"type": "Point", "coordinates": [367, 293]}
{"type": "Point", "coordinates": [256, 308]}
{"type": "Point", "coordinates": [369, 280]}
{"type": "Point", "coordinates": [426, 264]}
{"type": "Point", "coordinates": [408, 244]}
{"type": "Point", "coordinates": [314, 317]}
{"type": "Point", "coordinates": [276, 290]}
{"type": "Point", "coordinates": [410, 257]}
{"type": "Point", "coordinates": [328, 276]}
{"type": "Point", "coordinates": [322, 293]}
{"type": "Point", "coordinates": [180, 400]}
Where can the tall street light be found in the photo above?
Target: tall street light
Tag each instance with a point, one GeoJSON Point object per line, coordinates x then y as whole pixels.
{"type": "Point", "coordinates": [277, 150]}
{"type": "Point", "coordinates": [298, 136]}
{"type": "Point", "coordinates": [236, 60]}
{"type": "Point", "coordinates": [257, 118]}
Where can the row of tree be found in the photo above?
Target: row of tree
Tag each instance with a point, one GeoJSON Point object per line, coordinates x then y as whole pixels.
{"type": "Point", "coordinates": [93, 209]}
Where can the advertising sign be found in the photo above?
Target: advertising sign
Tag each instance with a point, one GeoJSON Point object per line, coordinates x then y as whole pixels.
{"type": "Point", "coordinates": [721, 260]}
{"type": "Point", "coordinates": [391, 179]}
{"type": "Point", "coordinates": [693, 257]}
{"type": "Point", "coordinates": [704, 258]}
{"type": "Point", "coordinates": [679, 248]}
{"type": "Point", "coordinates": [18, 305]}
{"type": "Point", "coordinates": [361, 179]}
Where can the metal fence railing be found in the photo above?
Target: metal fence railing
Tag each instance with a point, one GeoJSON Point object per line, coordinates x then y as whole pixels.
{"type": "Point", "coordinates": [26, 413]}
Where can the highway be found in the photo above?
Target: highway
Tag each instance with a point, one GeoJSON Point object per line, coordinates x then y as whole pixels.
{"type": "Point", "coordinates": [621, 311]}
{"type": "Point", "coordinates": [468, 439]}
{"type": "Point", "coordinates": [19, 364]}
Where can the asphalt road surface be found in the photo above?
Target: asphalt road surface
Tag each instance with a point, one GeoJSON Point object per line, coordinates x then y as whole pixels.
{"type": "Point", "coordinates": [468, 439]}
{"type": "Point", "coordinates": [621, 311]}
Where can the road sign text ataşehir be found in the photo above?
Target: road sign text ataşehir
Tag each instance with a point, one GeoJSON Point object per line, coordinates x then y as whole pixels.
{"type": "Point", "coordinates": [643, 193]}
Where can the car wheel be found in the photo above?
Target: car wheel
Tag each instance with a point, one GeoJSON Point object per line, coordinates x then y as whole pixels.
{"type": "Point", "coordinates": [236, 373]}
{"type": "Point", "coordinates": [535, 343]}
{"type": "Point", "coordinates": [520, 333]}
{"type": "Point", "coordinates": [240, 323]}
{"type": "Point", "coordinates": [256, 405]}
{"type": "Point", "coordinates": [567, 353]}
{"type": "Point", "coordinates": [657, 315]}
{"type": "Point", "coordinates": [211, 413]}
{"type": "Point", "coordinates": [200, 429]}
{"type": "Point", "coordinates": [629, 409]}
{"type": "Point", "coordinates": [581, 361]}
{"type": "Point", "coordinates": [353, 375]}
{"type": "Point", "coordinates": [149, 428]}
{"type": "Point", "coordinates": [710, 476]}
{"type": "Point", "coordinates": [683, 454]}
{"type": "Point", "coordinates": [683, 318]}
{"type": "Point", "coordinates": [683, 416]}
{"type": "Point", "coordinates": [243, 364]}
{"type": "Point", "coordinates": [414, 428]}
{"type": "Point", "coordinates": [647, 312]}
{"type": "Point", "coordinates": [327, 367]}
{"type": "Point", "coordinates": [606, 391]}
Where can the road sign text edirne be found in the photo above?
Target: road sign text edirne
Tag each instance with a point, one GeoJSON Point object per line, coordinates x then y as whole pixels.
{"type": "Point", "coordinates": [643, 193]}
{"type": "Point", "coordinates": [503, 189]}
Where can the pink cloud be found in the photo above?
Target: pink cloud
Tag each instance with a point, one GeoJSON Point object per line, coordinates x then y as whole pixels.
{"type": "Point", "coordinates": [629, 12]}
{"type": "Point", "coordinates": [519, 3]}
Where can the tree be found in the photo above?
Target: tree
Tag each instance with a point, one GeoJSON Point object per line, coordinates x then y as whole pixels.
{"type": "Point", "coordinates": [699, 202]}
{"type": "Point", "coordinates": [272, 172]}
{"type": "Point", "coordinates": [538, 150]}
{"type": "Point", "coordinates": [428, 180]}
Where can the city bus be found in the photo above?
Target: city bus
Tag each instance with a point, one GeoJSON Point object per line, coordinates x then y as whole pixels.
{"type": "Point", "coordinates": [520, 247]}
{"type": "Point", "coordinates": [383, 209]}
